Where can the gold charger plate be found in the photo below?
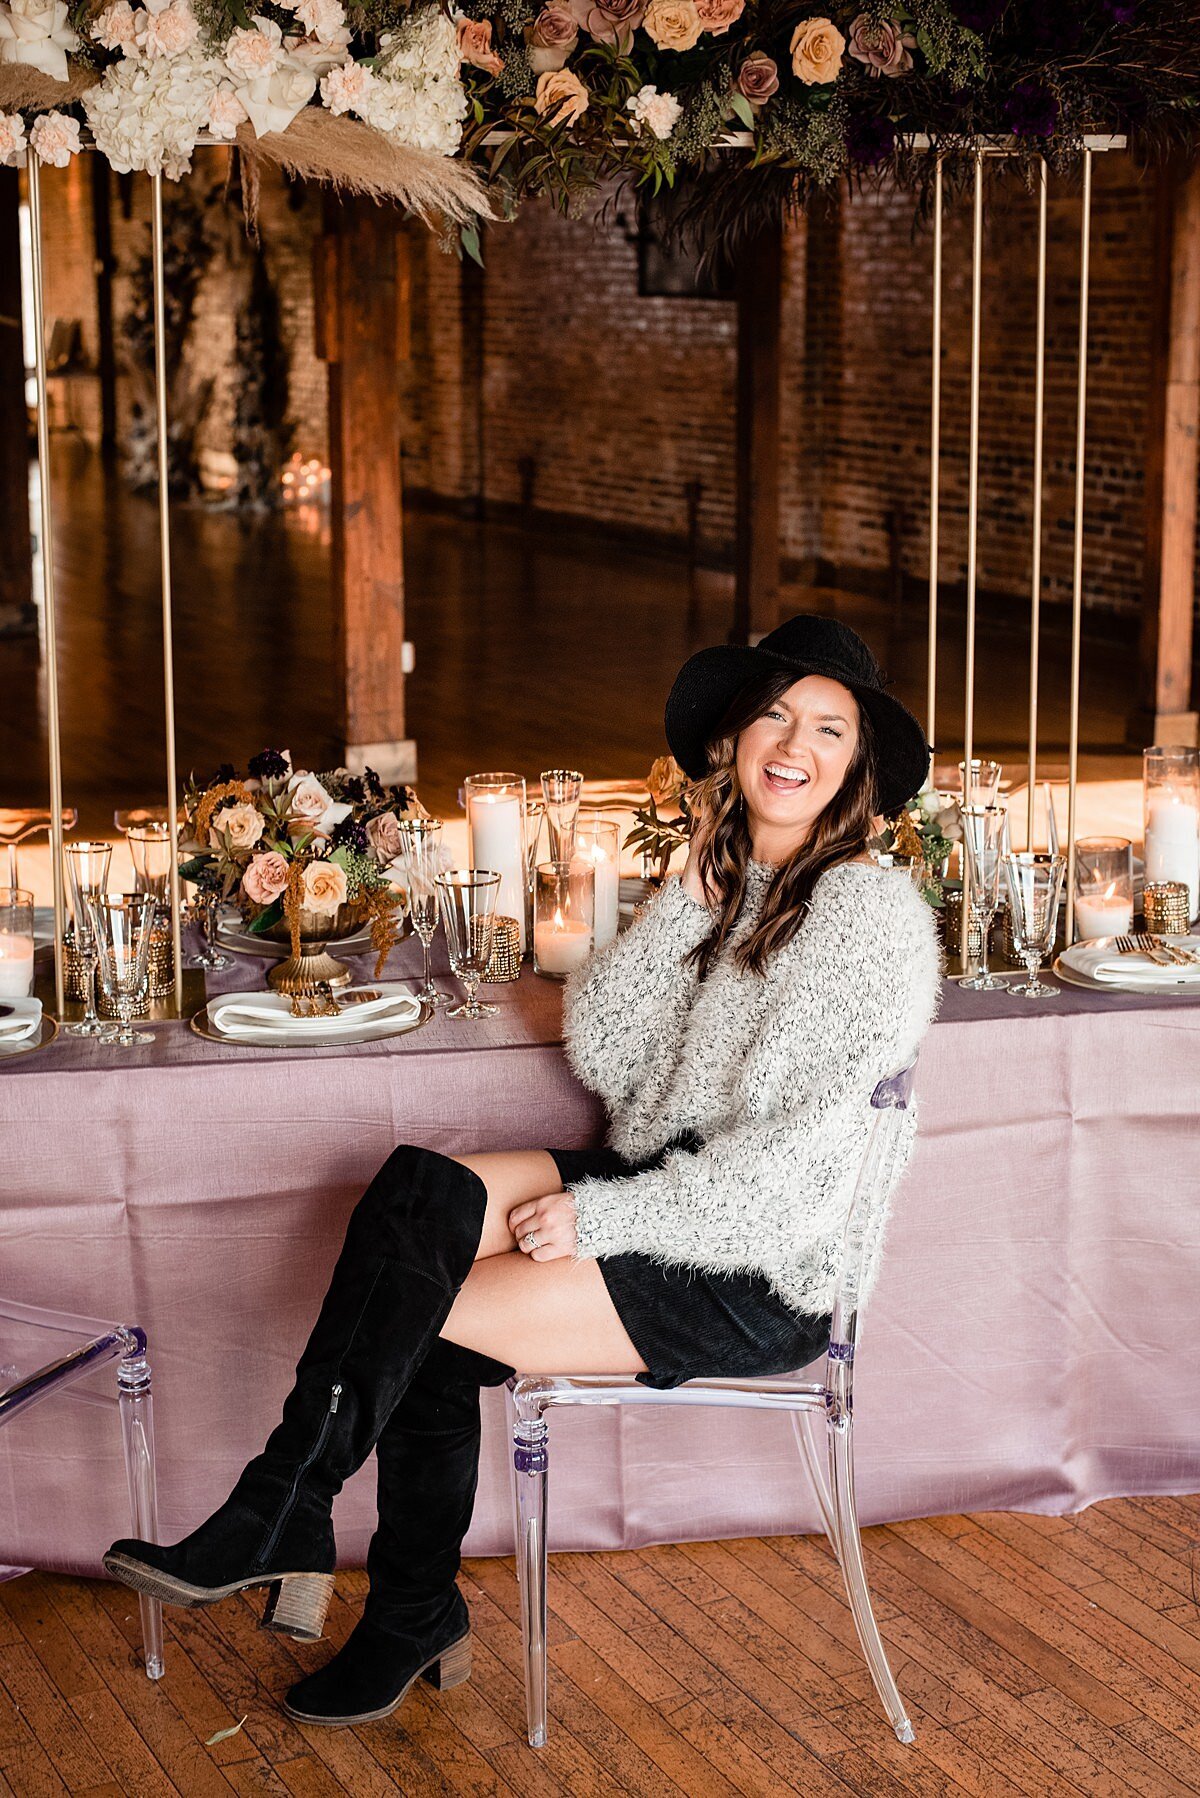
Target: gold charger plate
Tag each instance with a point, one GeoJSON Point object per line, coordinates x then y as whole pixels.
{"type": "Point", "coordinates": [1156, 989]}
{"type": "Point", "coordinates": [315, 1040]}
{"type": "Point", "coordinates": [47, 1032]}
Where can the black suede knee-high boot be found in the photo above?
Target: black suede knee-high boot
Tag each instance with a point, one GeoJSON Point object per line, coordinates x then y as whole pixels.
{"type": "Point", "coordinates": [415, 1620]}
{"type": "Point", "coordinates": [410, 1244]}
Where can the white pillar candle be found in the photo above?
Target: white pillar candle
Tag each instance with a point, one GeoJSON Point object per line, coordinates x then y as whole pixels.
{"type": "Point", "coordinates": [1173, 845]}
{"type": "Point", "coordinates": [1102, 914]}
{"type": "Point", "coordinates": [561, 944]}
{"type": "Point", "coordinates": [607, 889]}
{"type": "Point", "coordinates": [16, 965]}
{"type": "Point", "coordinates": [498, 842]}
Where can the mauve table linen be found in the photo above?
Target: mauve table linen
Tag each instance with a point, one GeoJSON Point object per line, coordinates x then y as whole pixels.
{"type": "Point", "coordinates": [1032, 1342]}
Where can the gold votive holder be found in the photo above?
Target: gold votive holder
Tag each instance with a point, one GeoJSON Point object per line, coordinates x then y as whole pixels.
{"type": "Point", "coordinates": [1165, 905]}
{"type": "Point", "coordinates": [107, 1009]}
{"type": "Point", "coordinates": [74, 971]}
{"type": "Point", "coordinates": [160, 972]}
{"type": "Point", "coordinates": [505, 961]}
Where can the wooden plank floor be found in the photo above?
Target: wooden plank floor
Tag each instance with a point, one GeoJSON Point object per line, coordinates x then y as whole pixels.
{"type": "Point", "coordinates": [1038, 1655]}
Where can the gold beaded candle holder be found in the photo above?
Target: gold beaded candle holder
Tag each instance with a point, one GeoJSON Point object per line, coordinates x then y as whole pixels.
{"type": "Point", "coordinates": [73, 969]}
{"type": "Point", "coordinates": [1165, 904]}
{"type": "Point", "coordinates": [505, 961]}
{"type": "Point", "coordinates": [160, 976]}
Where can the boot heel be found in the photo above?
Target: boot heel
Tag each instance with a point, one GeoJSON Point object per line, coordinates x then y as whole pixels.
{"type": "Point", "coordinates": [297, 1605]}
{"type": "Point", "coordinates": [452, 1668]}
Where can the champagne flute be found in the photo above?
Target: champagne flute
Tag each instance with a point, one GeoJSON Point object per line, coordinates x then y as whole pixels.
{"type": "Point", "coordinates": [985, 841]}
{"type": "Point", "coordinates": [1035, 884]}
{"type": "Point", "coordinates": [561, 790]}
{"type": "Point", "coordinates": [468, 903]}
{"type": "Point", "coordinates": [123, 923]}
{"type": "Point", "coordinates": [87, 873]}
{"type": "Point", "coordinates": [421, 850]}
{"type": "Point", "coordinates": [207, 907]}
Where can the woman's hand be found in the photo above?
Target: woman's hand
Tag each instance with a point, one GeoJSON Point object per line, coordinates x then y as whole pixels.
{"type": "Point", "coordinates": [552, 1223]}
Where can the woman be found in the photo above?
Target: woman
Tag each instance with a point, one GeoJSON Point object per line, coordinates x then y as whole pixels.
{"type": "Point", "coordinates": [735, 1033]}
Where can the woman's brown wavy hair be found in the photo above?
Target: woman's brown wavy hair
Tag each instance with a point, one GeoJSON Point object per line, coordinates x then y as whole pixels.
{"type": "Point", "coordinates": [840, 834]}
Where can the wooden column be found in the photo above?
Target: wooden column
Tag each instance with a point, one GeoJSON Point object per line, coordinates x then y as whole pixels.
{"type": "Point", "coordinates": [16, 564]}
{"type": "Point", "coordinates": [759, 311]}
{"type": "Point", "coordinates": [362, 300]}
{"type": "Point", "coordinates": [1169, 587]}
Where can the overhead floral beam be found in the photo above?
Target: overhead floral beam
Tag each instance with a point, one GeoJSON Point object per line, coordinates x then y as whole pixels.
{"type": "Point", "coordinates": [471, 112]}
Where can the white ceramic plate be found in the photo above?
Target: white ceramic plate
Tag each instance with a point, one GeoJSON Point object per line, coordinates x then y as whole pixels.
{"type": "Point", "coordinates": [296, 1037]}
{"type": "Point", "coordinates": [1166, 988]}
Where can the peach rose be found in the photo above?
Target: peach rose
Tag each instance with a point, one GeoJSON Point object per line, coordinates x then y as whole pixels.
{"type": "Point", "coordinates": [324, 887]}
{"type": "Point", "coordinates": [673, 24]}
{"type": "Point", "coordinates": [265, 877]}
{"type": "Point", "coordinates": [561, 97]}
{"type": "Point", "coordinates": [717, 16]}
{"type": "Point", "coordinates": [551, 39]}
{"type": "Point", "coordinates": [242, 823]}
{"type": "Point", "coordinates": [817, 50]}
{"type": "Point", "coordinates": [475, 45]}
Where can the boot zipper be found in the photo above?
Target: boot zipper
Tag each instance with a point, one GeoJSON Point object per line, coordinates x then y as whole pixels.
{"type": "Point", "coordinates": [289, 1502]}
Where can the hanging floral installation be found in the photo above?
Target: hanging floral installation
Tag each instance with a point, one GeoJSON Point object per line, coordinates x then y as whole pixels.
{"type": "Point", "coordinates": [465, 113]}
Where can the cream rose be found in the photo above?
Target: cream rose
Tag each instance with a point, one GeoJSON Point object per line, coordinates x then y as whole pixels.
{"type": "Point", "coordinates": [475, 45]}
{"type": "Point", "coordinates": [324, 887]}
{"type": "Point", "coordinates": [673, 24]}
{"type": "Point", "coordinates": [242, 824]}
{"type": "Point", "coordinates": [37, 33]}
{"type": "Point", "coordinates": [265, 877]}
{"type": "Point", "coordinates": [312, 808]}
{"type": "Point", "coordinates": [817, 51]}
{"type": "Point", "coordinates": [561, 96]}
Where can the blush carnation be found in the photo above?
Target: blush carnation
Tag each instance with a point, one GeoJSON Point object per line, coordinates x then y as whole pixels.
{"type": "Point", "coordinates": [254, 51]}
{"type": "Point", "coordinates": [116, 27]}
{"type": "Point", "coordinates": [347, 88]}
{"type": "Point", "coordinates": [166, 30]}
{"type": "Point", "coordinates": [55, 138]}
{"type": "Point", "coordinates": [12, 139]}
{"type": "Point", "coordinates": [659, 113]}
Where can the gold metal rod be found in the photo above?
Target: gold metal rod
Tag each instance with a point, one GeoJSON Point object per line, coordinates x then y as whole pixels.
{"type": "Point", "coordinates": [972, 531]}
{"type": "Point", "coordinates": [1085, 244]}
{"type": "Point", "coordinates": [935, 457]}
{"type": "Point", "coordinates": [53, 732]}
{"type": "Point", "coordinates": [164, 540]}
{"type": "Point", "coordinates": [1035, 582]}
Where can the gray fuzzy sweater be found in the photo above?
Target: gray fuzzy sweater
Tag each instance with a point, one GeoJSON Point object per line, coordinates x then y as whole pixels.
{"type": "Point", "coordinates": [773, 1073]}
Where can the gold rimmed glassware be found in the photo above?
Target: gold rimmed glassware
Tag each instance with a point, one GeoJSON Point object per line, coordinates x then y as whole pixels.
{"type": "Point", "coordinates": [1034, 883]}
{"type": "Point", "coordinates": [467, 898]}
{"type": "Point", "coordinates": [87, 879]}
{"type": "Point", "coordinates": [982, 785]}
{"type": "Point", "coordinates": [122, 924]}
{"type": "Point", "coordinates": [421, 853]}
{"type": "Point", "coordinates": [985, 842]}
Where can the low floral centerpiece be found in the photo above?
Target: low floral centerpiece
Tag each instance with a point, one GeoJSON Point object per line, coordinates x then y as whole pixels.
{"type": "Point", "coordinates": [923, 836]}
{"type": "Point", "coordinates": [308, 858]}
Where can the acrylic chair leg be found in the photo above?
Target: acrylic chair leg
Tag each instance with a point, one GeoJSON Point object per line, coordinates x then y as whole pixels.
{"type": "Point", "coordinates": [530, 1468]}
{"type": "Point", "coordinates": [137, 1433]}
{"type": "Point", "coordinates": [804, 1424]}
{"type": "Point", "coordinates": [848, 1542]}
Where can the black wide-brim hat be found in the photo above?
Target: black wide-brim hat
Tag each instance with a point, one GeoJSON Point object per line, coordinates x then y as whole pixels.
{"type": "Point", "coordinates": [710, 681]}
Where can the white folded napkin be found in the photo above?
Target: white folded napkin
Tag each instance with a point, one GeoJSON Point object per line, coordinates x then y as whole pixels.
{"type": "Point", "coordinates": [249, 1014]}
{"type": "Point", "coordinates": [1103, 963]}
{"type": "Point", "coordinates": [20, 1019]}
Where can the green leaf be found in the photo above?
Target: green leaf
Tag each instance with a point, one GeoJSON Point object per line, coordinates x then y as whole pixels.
{"type": "Point", "coordinates": [266, 919]}
{"type": "Point", "coordinates": [223, 1735]}
{"type": "Point", "coordinates": [477, 109]}
{"type": "Point", "coordinates": [743, 110]}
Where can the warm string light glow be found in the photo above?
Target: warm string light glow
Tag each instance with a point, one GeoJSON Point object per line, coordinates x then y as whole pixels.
{"type": "Point", "coordinates": [305, 481]}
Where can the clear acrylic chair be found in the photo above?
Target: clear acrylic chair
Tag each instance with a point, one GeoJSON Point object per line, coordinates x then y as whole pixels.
{"type": "Point", "coordinates": [810, 1403]}
{"type": "Point", "coordinates": [78, 1346]}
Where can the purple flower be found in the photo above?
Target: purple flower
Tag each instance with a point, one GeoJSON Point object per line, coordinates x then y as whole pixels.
{"type": "Point", "coordinates": [1031, 110]}
{"type": "Point", "coordinates": [349, 835]}
{"type": "Point", "coordinates": [870, 140]}
{"type": "Point", "coordinates": [269, 764]}
{"type": "Point", "coordinates": [219, 776]}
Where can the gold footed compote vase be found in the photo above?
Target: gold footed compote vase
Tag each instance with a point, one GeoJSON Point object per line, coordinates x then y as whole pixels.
{"type": "Point", "coordinates": [320, 934]}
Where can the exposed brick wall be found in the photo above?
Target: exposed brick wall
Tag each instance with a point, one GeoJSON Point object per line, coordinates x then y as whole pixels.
{"type": "Point", "coordinates": [548, 378]}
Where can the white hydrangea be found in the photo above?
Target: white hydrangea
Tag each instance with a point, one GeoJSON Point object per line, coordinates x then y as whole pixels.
{"type": "Point", "coordinates": [148, 115]}
{"type": "Point", "coordinates": [12, 139]}
{"type": "Point", "coordinates": [658, 112]}
{"type": "Point", "coordinates": [416, 95]}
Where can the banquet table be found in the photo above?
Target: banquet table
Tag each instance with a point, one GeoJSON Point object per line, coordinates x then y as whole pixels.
{"type": "Point", "coordinates": [1031, 1343]}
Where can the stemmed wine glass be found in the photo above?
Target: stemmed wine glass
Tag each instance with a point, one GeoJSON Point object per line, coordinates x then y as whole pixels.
{"type": "Point", "coordinates": [87, 872]}
{"type": "Point", "coordinates": [983, 784]}
{"type": "Point", "coordinates": [1035, 884]}
{"type": "Point", "coordinates": [561, 790]}
{"type": "Point", "coordinates": [985, 842]}
{"type": "Point", "coordinates": [122, 924]}
{"type": "Point", "coordinates": [206, 907]}
{"type": "Point", "coordinates": [468, 903]}
{"type": "Point", "coordinates": [421, 850]}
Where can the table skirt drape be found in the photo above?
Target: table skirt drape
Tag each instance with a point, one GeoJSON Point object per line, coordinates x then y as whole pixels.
{"type": "Point", "coordinates": [1032, 1342]}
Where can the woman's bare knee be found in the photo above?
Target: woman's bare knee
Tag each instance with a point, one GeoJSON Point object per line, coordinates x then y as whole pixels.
{"type": "Point", "coordinates": [542, 1317]}
{"type": "Point", "coordinates": [511, 1177]}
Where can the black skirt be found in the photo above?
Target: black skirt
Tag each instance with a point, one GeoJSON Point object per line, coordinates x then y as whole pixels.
{"type": "Point", "coordinates": [685, 1322]}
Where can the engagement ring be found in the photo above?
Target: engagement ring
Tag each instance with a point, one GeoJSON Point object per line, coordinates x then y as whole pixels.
{"type": "Point", "coordinates": [530, 1239]}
